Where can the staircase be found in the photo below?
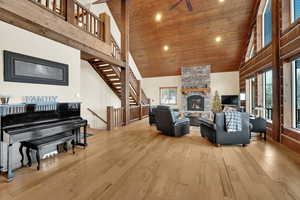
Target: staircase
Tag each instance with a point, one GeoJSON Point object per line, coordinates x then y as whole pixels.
{"type": "Point", "coordinates": [112, 76]}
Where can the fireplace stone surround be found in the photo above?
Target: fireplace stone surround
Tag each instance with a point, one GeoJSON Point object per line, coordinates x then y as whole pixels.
{"type": "Point", "coordinates": [196, 77]}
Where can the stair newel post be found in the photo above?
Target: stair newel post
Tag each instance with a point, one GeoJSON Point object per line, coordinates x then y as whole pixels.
{"type": "Point", "coordinates": [124, 54]}
{"type": "Point", "coordinates": [125, 94]}
{"type": "Point", "coordinates": [105, 21]}
{"type": "Point", "coordinates": [110, 111]}
{"type": "Point", "coordinates": [68, 7]}
{"type": "Point", "coordinates": [139, 98]}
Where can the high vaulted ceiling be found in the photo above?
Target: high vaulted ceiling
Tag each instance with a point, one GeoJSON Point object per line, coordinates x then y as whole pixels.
{"type": "Point", "coordinates": [189, 35]}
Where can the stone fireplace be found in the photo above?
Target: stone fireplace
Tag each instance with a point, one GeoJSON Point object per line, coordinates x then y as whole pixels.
{"type": "Point", "coordinates": [195, 103]}
{"type": "Point", "coordinates": [196, 78]}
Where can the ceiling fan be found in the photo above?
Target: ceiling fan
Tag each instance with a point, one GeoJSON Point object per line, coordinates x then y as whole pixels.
{"type": "Point", "coordinates": [100, 1]}
{"type": "Point", "coordinates": [188, 5]}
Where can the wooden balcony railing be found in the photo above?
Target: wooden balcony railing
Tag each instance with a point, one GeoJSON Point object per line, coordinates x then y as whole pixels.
{"type": "Point", "coordinates": [76, 14]}
{"type": "Point", "coordinates": [87, 21]}
{"type": "Point", "coordinates": [116, 51]}
{"type": "Point", "coordinates": [55, 6]}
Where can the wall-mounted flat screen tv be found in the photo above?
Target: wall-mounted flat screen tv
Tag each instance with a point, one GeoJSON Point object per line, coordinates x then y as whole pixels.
{"type": "Point", "coordinates": [230, 100]}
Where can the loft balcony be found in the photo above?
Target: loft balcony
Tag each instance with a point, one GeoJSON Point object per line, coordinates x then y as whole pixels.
{"type": "Point", "coordinates": [67, 22]}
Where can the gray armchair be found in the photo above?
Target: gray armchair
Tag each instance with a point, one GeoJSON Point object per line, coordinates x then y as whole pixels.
{"type": "Point", "coordinates": [259, 125]}
{"type": "Point", "coordinates": [169, 124]}
{"type": "Point", "coordinates": [152, 114]}
{"type": "Point", "coordinates": [217, 134]}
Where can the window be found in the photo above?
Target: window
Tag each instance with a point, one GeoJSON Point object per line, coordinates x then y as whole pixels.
{"type": "Point", "coordinates": [297, 93]}
{"type": "Point", "coordinates": [295, 5]}
{"type": "Point", "coordinates": [251, 54]}
{"type": "Point", "coordinates": [267, 23]}
{"type": "Point", "coordinates": [250, 50]}
{"type": "Point", "coordinates": [268, 95]}
{"type": "Point", "coordinates": [168, 95]}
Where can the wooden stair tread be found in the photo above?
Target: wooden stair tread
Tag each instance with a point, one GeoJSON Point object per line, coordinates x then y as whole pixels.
{"type": "Point", "coordinates": [109, 73]}
{"type": "Point", "coordinates": [105, 68]}
{"type": "Point", "coordinates": [111, 76]}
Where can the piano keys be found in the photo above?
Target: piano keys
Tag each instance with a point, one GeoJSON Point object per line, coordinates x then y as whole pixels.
{"type": "Point", "coordinates": [36, 123]}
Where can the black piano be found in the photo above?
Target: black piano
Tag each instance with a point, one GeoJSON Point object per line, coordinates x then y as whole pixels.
{"type": "Point", "coordinates": [36, 123]}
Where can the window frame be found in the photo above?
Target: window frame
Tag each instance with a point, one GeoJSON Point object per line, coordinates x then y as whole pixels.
{"type": "Point", "coordinates": [253, 94]}
{"type": "Point", "coordinates": [160, 93]}
{"type": "Point", "coordinates": [292, 11]}
{"type": "Point", "coordinates": [251, 54]}
{"type": "Point", "coordinates": [294, 93]}
{"type": "Point", "coordinates": [264, 94]}
{"type": "Point", "coordinates": [263, 24]}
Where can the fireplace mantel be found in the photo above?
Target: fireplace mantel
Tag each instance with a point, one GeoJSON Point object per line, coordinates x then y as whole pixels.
{"type": "Point", "coordinates": [203, 90]}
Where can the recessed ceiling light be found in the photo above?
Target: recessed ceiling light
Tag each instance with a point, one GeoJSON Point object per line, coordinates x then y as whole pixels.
{"type": "Point", "coordinates": [158, 17]}
{"type": "Point", "coordinates": [166, 48]}
{"type": "Point", "coordinates": [221, 1]}
{"type": "Point", "coordinates": [218, 39]}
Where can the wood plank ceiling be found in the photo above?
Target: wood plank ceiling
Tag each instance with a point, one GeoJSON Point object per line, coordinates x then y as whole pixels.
{"type": "Point", "coordinates": [189, 35]}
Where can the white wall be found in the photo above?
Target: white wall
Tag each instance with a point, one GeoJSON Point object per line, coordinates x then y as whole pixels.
{"type": "Point", "coordinates": [151, 88]}
{"type": "Point", "coordinates": [226, 83]}
{"type": "Point", "coordinates": [96, 95]}
{"type": "Point", "coordinates": [21, 41]}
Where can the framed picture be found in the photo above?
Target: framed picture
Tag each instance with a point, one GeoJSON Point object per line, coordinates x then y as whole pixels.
{"type": "Point", "coordinates": [168, 95]}
{"type": "Point", "coordinates": [28, 69]}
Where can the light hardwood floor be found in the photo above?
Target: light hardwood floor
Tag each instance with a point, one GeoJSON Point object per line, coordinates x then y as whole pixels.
{"type": "Point", "coordinates": [137, 163]}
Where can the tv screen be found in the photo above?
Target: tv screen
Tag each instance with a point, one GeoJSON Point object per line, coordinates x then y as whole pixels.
{"type": "Point", "coordinates": [230, 100]}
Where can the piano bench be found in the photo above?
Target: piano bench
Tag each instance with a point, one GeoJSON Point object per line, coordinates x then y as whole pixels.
{"type": "Point", "coordinates": [39, 144]}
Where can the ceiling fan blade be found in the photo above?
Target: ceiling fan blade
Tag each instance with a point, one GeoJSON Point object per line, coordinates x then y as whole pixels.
{"type": "Point", "coordinates": [175, 5]}
{"type": "Point", "coordinates": [100, 1]}
{"type": "Point", "coordinates": [189, 5]}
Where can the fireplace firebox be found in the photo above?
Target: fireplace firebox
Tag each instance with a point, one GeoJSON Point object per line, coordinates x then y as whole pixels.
{"type": "Point", "coordinates": [195, 103]}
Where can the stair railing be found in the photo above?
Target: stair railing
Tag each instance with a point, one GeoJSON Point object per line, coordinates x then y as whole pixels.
{"type": "Point", "coordinates": [134, 113]}
{"type": "Point", "coordinates": [96, 115]}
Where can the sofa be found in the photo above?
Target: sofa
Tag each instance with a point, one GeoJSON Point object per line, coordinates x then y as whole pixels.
{"type": "Point", "coordinates": [216, 132]}
{"type": "Point", "coordinates": [169, 123]}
